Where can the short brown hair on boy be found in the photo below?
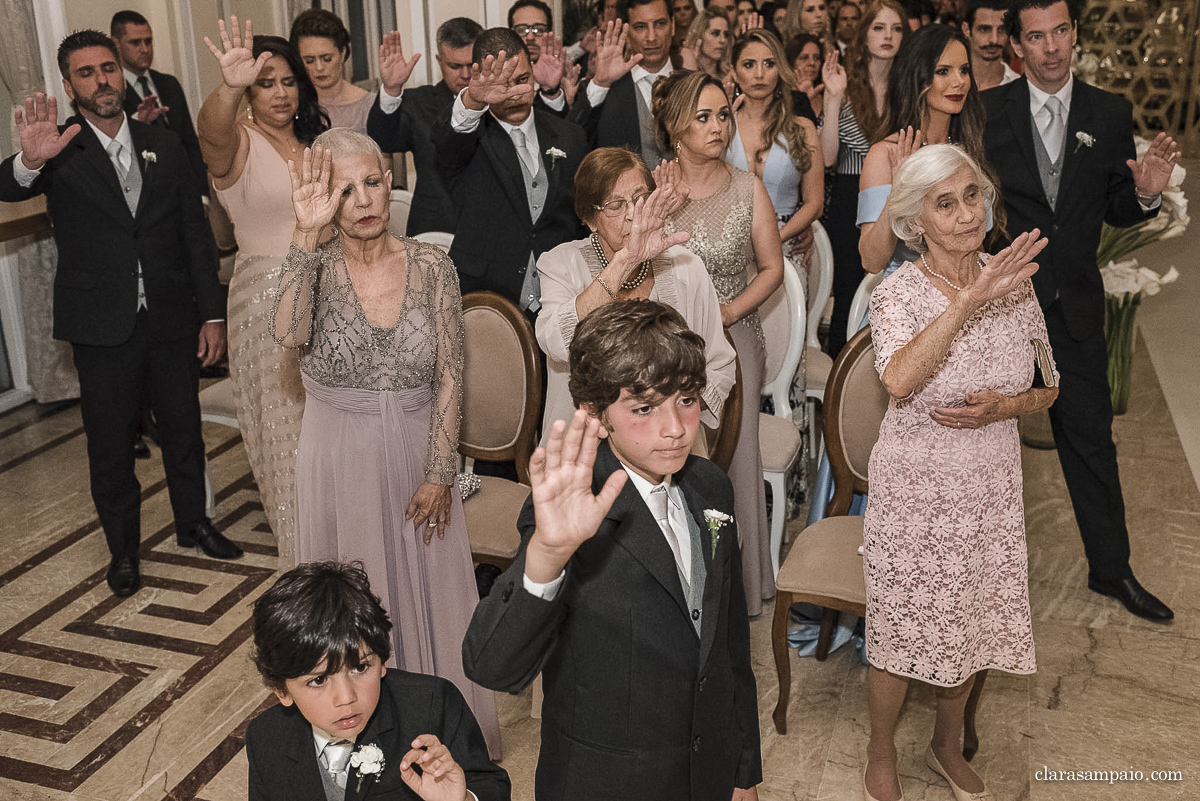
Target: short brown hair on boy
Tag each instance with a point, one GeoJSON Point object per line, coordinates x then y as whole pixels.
{"type": "Point", "coordinates": [638, 345]}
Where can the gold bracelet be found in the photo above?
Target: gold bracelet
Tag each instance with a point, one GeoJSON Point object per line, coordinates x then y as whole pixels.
{"type": "Point", "coordinates": [604, 286]}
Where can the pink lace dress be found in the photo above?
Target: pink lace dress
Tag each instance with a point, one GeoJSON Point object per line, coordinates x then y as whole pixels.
{"type": "Point", "coordinates": [944, 536]}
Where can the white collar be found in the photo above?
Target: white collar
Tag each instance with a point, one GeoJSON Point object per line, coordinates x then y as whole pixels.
{"type": "Point", "coordinates": [322, 738]}
{"type": "Point", "coordinates": [639, 72]}
{"type": "Point", "coordinates": [644, 487]}
{"type": "Point", "coordinates": [1038, 98]}
{"type": "Point", "coordinates": [123, 136]}
{"type": "Point", "coordinates": [527, 127]}
{"type": "Point", "coordinates": [131, 77]}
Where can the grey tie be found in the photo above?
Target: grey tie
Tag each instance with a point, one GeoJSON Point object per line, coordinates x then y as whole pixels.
{"type": "Point", "coordinates": [658, 503]}
{"type": "Point", "coordinates": [522, 145]}
{"type": "Point", "coordinates": [1056, 128]}
{"type": "Point", "coordinates": [115, 149]}
{"type": "Point", "coordinates": [334, 758]}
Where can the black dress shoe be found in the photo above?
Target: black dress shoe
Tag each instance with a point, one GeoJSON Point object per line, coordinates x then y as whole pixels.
{"type": "Point", "coordinates": [211, 541]}
{"type": "Point", "coordinates": [124, 578]}
{"type": "Point", "coordinates": [1137, 599]}
{"type": "Point", "coordinates": [140, 449]}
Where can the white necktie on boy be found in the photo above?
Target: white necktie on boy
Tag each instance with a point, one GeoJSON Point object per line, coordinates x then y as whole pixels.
{"type": "Point", "coordinates": [334, 759]}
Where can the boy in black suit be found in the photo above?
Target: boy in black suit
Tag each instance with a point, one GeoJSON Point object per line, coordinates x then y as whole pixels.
{"type": "Point", "coordinates": [626, 593]}
{"type": "Point", "coordinates": [348, 728]}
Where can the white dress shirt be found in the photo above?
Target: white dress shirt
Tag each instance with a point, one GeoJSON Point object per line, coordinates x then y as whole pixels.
{"type": "Point", "coordinates": [597, 94]}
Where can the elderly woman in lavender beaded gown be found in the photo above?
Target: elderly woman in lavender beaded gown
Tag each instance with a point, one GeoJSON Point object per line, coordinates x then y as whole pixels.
{"type": "Point", "coordinates": [378, 321]}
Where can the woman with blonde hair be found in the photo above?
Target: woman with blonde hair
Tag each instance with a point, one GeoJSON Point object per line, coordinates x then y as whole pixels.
{"type": "Point", "coordinates": [706, 47]}
{"type": "Point", "coordinates": [733, 229]}
{"type": "Point", "coordinates": [807, 16]}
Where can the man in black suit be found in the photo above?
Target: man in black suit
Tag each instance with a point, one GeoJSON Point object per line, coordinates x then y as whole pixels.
{"type": "Point", "coordinates": [513, 205]}
{"type": "Point", "coordinates": [137, 276]}
{"type": "Point", "coordinates": [402, 119]}
{"type": "Point", "coordinates": [614, 106]}
{"type": "Point", "coordinates": [626, 593]}
{"type": "Point", "coordinates": [1064, 154]}
{"type": "Point", "coordinates": [154, 97]}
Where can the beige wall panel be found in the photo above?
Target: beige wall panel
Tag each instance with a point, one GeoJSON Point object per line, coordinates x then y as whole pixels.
{"type": "Point", "coordinates": [98, 14]}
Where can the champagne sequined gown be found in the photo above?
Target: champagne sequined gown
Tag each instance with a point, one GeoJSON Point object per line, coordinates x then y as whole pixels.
{"type": "Point", "coordinates": [721, 228]}
{"type": "Point", "coordinates": [381, 418]}
{"type": "Point", "coordinates": [266, 377]}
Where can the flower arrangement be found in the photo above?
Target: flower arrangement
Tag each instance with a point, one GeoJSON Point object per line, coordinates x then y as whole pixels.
{"type": "Point", "coordinates": [1126, 283]}
{"type": "Point", "coordinates": [149, 156]}
{"type": "Point", "coordinates": [367, 761]}
{"type": "Point", "coordinates": [1083, 139]}
{"type": "Point", "coordinates": [555, 154]}
{"type": "Point", "coordinates": [715, 521]}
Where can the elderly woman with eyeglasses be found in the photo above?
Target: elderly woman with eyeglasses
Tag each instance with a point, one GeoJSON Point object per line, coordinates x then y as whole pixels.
{"type": "Point", "coordinates": [627, 257]}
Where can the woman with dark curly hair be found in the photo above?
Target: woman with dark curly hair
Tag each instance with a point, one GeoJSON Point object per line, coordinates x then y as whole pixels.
{"type": "Point", "coordinates": [248, 160]}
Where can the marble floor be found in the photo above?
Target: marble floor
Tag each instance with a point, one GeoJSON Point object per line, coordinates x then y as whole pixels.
{"type": "Point", "coordinates": [104, 699]}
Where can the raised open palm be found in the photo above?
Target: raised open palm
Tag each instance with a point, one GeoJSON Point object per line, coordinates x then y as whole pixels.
{"type": "Point", "coordinates": [38, 126]}
{"type": "Point", "coordinates": [1008, 269]}
{"type": "Point", "coordinates": [394, 69]}
{"type": "Point", "coordinates": [239, 68]}
{"type": "Point", "coordinates": [610, 57]}
{"type": "Point", "coordinates": [490, 80]}
{"type": "Point", "coordinates": [312, 199]}
{"type": "Point", "coordinates": [646, 238]}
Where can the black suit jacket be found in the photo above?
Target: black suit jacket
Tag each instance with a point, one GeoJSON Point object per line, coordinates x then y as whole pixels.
{"type": "Point", "coordinates": [179, 120]}
{"type": "Point", "coordinates": [614, 123]}
{"type": "Point", "coordinates": [495, 232]}
{"type": "Point", "coordinates": [636, 705]}
{"type": "Point", "coordinates": [407, 130]}
{"type": "Point", "coordinates": [1096, 187]}
{"type": "Point", "coordinates": [100, 243]}
{"type": "Point", "coordinates": [283, 759]}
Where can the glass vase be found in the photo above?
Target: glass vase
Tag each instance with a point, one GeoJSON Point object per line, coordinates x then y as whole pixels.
{"type": "Point", "coordinates": [1119, 311]}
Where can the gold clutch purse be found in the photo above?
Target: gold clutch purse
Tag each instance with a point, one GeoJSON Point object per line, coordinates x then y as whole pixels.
{"type": "Point", "coordinates": [1043, 365]}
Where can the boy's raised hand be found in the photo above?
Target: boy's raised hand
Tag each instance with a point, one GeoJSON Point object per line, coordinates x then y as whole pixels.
{"type": "Point", "coordinates": [567, 511]}
{"type": "Point", "coordinates": [441, 778]}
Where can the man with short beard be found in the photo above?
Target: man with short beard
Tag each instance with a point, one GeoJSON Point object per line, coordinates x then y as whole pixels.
{"type": "Point", "coordinates": [845, 23]}
{"type": "Point", "coordinates": [135, 292]}
{"type": "Point", "coordinates": [984, 29]}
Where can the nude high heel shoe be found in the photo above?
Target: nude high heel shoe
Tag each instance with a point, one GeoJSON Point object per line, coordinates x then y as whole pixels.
{"type": "Point", "coordinates": [959, 793]}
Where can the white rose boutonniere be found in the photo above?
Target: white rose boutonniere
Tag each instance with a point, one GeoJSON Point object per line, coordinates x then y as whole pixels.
{"type": "Point", "coordinates": [555, 154]}
{"type": "Point", "coordinates": [367, 761]}
{"type": "Point", "coordinates": [715, 520]}
{"type": "Point", "coordinates": [1083, 139]}
{"type": "Point", "coordinates": [149, 156]}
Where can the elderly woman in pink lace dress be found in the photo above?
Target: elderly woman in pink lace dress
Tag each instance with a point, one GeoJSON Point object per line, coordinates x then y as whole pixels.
{"type": "Point", "coordinates": [961, 347]}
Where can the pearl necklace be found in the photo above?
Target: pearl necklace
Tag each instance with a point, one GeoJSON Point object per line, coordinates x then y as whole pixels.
{"type": "Point", "coordinates": [632, 283]}
{"type": "Point", "coordinates": [936, 274]}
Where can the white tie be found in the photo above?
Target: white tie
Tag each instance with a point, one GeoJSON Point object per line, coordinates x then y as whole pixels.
{"type": "Point", "coordinates": [115, 151]}
{"type": "Point", "coordinates": [522, 146]}
{"type": "Point", "coordinates": [1056, 128]}
{"type": "Point", "coordinates": [659, 506]}
{"type": "Point", "coordinates": [336, 755]}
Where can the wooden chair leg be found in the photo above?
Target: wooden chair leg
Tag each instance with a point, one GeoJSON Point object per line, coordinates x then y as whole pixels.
{"type": "Point", "coordinates": [829, 619]}
{"type": "Point", "coordinates": [783, 668]}
{"type": "Point", "coordinates": [970, 737]}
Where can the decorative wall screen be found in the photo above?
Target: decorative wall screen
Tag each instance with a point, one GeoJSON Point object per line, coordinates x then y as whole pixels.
{"type": "Point", "coordinates": [1148, 52]}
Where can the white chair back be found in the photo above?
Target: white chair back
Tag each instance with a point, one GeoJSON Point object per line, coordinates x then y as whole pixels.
{"type": "Point", "coordinates": [401, 202]}
{"type": "Point", "coordinates": [861, 302]}
{"type": "Point", "coordinates": [440, 238]}
{"type": "Point", "coordinates": [820, 261]}
{"type": "Point", "coordinates": [783, 316]}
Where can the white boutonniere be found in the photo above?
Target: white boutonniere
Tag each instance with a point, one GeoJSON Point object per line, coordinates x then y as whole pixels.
{"type": "Point", "coordinates": [715, 520]}
{"type": "Point", "coordinates": [555, 154]}
{"type": "Point", "coordinates": [1083, 140]}
{"type": "Point", "coordinates": [149, 156]}
{"type": "Point", "coordinates": [367, 761]}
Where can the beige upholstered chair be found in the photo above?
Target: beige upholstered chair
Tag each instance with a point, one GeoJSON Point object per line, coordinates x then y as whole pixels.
{"type": "Point", "coordinates": [779, 440]}
{"type": "Point", "coordinates": [502, 401]}
{"type": "Point", "coordinates": [861, 302]}
{"type": "Point", "coordinates": [824, 566]}
{"type": "Point", "coordinates": [216, 406]}
{"type": "Point", "coordinates": [818, 362]}
{"type": "Point", "coordinates": [401, 202]}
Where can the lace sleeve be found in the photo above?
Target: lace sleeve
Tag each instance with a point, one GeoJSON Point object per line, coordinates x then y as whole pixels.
{"type": "Point", "coordinates": [892, 322]}
{"type": "Point", "coordinates": [291, 319]}
{"type": "Point", "coordinates": [446, 314]}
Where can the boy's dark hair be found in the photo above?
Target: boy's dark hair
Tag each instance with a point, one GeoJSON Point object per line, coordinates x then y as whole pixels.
{"type": "Point", "coordinates": [458, 32]}
{"type": "Point", "coordinates": [82, 40]}
{"type": "Point", "coordinates": [322, 24]}
{"type": "Point", "coordinates": [315, 611]}
{"type": "Point", "coordinates": [538, 4]}
{"type": "Point", "coordinates": [493, 40]}
{"type": "Point", "coordinates": [638, 345]}
{"type": "Point", "coordinates": [1013, 19]}
{"type": "Point", "coordinates": [991, 5]}
{"type": "Point", "coordinates": [116, 27]}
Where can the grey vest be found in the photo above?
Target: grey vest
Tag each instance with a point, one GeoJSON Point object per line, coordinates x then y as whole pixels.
{"type": "Point", "coordinates": [694, 594]}
{"type": "Point", "coordinates": [536, 188]}
{"type": "Point", "coordinates": [1050, 172]}
{"type": "Point", "coordinates": [650, 152]}
{"type": "Point", "coordinates": [131, 187]}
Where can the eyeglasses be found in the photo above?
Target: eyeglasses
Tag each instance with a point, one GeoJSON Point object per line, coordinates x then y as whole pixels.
{"type": "Point", "coordinates": [525, 30]}
{"type": "Point", "coordinates": [615, 208]}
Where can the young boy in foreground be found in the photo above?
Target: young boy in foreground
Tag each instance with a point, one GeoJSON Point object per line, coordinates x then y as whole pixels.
{"type": "Point", "coordinates": [347, 727]}
{"type": "Point", "coordinates": [635, 618]}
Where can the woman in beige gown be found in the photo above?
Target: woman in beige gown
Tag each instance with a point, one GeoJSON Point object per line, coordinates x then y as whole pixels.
{"type": "Point", "coordinates": [248, 160]}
